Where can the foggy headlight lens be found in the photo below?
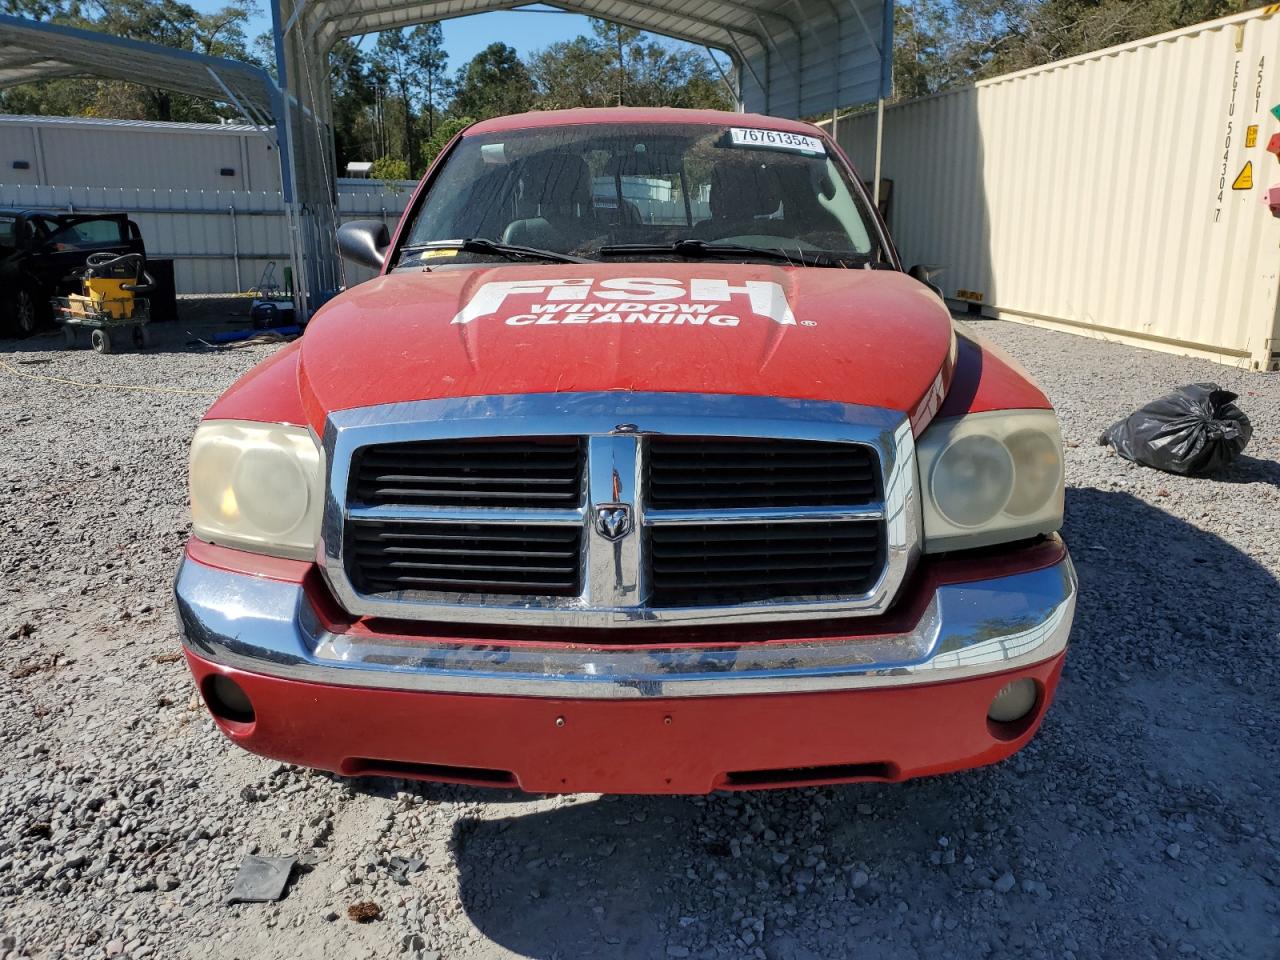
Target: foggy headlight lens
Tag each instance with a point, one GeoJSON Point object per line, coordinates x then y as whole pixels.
{"type": "Point", "coordinates": [972, 480]}
{"type": "Point", "coordinates": [257, 486]}
{"type": "Point", "coordinates": [990, 478]}
{"type": "Point", "coordinates": [1037, 461]}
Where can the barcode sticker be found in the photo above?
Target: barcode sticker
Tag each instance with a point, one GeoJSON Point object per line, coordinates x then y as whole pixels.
{"type": "Point", "coordinates": [778, 139]}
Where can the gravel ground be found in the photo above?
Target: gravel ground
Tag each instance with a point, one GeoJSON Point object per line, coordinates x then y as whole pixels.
{"type": "Point", "coordinates": [1140, 823]}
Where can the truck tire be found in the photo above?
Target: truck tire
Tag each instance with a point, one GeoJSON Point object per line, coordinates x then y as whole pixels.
{"type": "Point", "coordinates": [101, 341]}
{"type": "Point", "coordinates": [26, 312]}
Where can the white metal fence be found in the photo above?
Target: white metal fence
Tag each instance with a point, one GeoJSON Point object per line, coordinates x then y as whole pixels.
{"type": "Point", "coordinates": [221, 241]}
{"type": "Point", "coordinates": [1117, 194]}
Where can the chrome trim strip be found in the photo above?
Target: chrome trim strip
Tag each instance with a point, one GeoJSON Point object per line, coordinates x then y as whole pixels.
{"type": "Point", "coordinates": [968, 629]}
{"type": "Point", "coordinates": [613, 572]}
{"type": "Point", "coordinates": [614, 592]}
{"type": "Point", "coordinates": [467, 515]}
{"type": "Point", "coordinates": [766, 515]}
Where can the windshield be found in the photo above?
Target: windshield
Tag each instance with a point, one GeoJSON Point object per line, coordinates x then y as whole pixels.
{"type": "Point", "coordinates": [581, 189]}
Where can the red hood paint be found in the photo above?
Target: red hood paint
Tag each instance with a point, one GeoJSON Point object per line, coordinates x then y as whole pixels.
{"type": "Point", "coordinates": [852, 336]}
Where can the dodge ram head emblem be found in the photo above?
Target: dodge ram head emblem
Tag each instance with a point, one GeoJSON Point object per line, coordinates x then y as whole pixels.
{"type": "Point", "coordinates": [613, 520]}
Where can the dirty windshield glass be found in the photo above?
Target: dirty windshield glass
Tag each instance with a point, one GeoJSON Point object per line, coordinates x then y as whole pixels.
{"type": "Point", "coordinates": [582, 189]}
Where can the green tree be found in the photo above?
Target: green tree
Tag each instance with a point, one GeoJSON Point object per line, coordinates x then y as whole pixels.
{"type": "Point", "coordinates": [167, 22]}
{"type": "Point", "coordinates": [433, 64]}
{"type": "Point", "coordinates": [354, 101]}
{"type": "Point", "coordinates": [942, 43]}
{"type": "Point", "coordinates": [414, 63]}
{"type": "Point", "coordinates": [622, 65]}
{"type": "Point", "coordinates": [49, 10]}
{"type": "Point", "coordinates": [394, 58]}
{"type": "Point", "coordinates": [571, 73]}
{"type": "Point", "coordinates": [1056, 29]}
{"type": "Point", "coordinates": [390, 168]}
{"type": "Point", "coordinates": [617, 40]}
{"type": "Point", "coordinates": [445, 131]}
{"type": "Point", "coordinates": [492, 83]}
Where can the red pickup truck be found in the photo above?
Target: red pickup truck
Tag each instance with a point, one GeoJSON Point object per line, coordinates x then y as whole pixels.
{"type": "Point", "coordinates": [642, 467]}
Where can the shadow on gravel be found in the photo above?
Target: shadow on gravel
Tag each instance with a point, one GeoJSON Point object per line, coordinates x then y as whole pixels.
{"type": "Point", "coordinates": [1249, 469]}
{"type": "Point", "coordinates": [1135, 824]}
{"type": "Point", "coordinates": [386, 788]}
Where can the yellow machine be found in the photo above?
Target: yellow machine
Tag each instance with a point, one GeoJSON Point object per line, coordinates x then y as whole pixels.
{"type": "Point", "coordinates": [104, 295]}
{"type": "Point", "coordinates": [108, 301]}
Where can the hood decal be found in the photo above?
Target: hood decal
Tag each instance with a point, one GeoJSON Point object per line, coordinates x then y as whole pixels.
{"type": "Point", "coordinates": [851, 336]}
{"type": "Point", "coordinates": [701, 301]}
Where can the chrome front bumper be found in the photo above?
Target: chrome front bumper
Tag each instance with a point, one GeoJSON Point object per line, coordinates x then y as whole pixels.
{"type": "Point", "coordinates": [968, 629]}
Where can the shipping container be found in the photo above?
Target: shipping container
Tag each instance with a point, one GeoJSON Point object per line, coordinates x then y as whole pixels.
{"type": "Point", "coordinates": [94, 152]}
{"type": "Point", "coordinates": [1119, 194]}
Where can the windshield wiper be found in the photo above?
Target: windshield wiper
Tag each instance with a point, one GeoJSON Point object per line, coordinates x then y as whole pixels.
{"type": "Point", "coordinates": [701, 250]}
{"type": "Point", "coordinates": [512, 251]}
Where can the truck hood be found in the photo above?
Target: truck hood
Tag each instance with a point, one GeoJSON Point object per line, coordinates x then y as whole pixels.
{"type": "Point", "coordinates": [872, 337]}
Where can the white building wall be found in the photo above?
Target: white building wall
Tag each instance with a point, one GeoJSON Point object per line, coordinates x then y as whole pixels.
{"type": "Point", "coordinates": [88, 152]}
{"type": "Point", "coordinates": [1095, 194]}
{"type": "Point", "coordinates": [220, 241]}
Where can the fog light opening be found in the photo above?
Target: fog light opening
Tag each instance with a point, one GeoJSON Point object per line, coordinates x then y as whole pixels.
{"type": "Point", "coordinates": [1013, 709]}
{"type": "Point", "coordinates": [1014, 701]}
{"type": "Point", "coordinates": [227, 699]}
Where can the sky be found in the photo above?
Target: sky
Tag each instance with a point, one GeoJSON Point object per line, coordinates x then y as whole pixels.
{"type": "Point", "coordinates": [464, 37]}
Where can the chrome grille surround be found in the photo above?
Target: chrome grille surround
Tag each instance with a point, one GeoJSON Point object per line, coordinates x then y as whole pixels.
{"type": "Point", "coordinates": [614, 591]}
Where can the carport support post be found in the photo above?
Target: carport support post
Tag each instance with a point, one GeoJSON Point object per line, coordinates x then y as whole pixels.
{"type": "Point", "coordinates": [285, 140]}
{"type": "Point", "coordinates": [886, 87]}
{"type": "Point", "coordinates": [875, 189]}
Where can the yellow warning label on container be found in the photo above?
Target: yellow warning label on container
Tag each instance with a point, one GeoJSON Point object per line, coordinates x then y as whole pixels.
{"type": "Point", "coordinates": [973, 296]}
{"type": "Point", "coordinates": [1251, 135]}
{"type": "Point", "coordinates": [1244, 181]}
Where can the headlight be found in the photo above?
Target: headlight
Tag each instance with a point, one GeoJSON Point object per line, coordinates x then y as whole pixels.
{"type": "Point", "coordinates": [257, 486]}
{"type": "Point", "coordinates": [990, 478]}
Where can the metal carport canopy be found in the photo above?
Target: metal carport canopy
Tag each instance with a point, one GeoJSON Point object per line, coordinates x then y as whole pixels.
{"type": "Point", "coordinates": [795, 58]}
{"type": "Point", "coordinates": [31, 51]}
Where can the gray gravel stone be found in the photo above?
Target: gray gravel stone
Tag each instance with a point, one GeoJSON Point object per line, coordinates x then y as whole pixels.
{"type": "Point", "coordinates": [1163, 727]}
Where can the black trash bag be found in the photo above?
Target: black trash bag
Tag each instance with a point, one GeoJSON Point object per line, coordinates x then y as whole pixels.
{"type": "Point", "coordinates": [1193, 431]}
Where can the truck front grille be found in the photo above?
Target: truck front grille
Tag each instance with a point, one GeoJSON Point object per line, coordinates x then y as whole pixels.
{"type": "Point", "coordinates": [471, 558]}
{"type": "Point", "coordinates": [702, 473]}
{"type": "Point", "coordinates": [619, 510]}
{"type": "Point", "coordinates": [730, 563]}
{"type": "Point", "coordinates": [498, 472]}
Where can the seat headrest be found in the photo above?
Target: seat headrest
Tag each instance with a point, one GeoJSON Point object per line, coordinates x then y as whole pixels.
{"type": "Point", "coordinates": [555, 183]}
{"type": "Point", "coordinates": [742, 188]}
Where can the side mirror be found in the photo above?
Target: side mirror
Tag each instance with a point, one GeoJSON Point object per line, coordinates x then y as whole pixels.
{"type": "Point", "coordinates": [925, 275]}
{"type": "Point", "coordinates": [364, 242]}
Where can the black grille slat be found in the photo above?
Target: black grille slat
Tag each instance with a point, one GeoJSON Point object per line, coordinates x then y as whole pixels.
{"type": "Point", "coordinates": [495, 534]}
{"type": "Point", "coordinates": [516, 472]}
{"type": "Point", "coordinates": [727, 567]}
{"type": "Point", "coordinates": [783, 531]}
{"type": "Point", "coordinates": [520, 559]}
{"type": "Point", "coordinates": [708, 473]}
{"type": "Point", "coordinates": [725, 563]}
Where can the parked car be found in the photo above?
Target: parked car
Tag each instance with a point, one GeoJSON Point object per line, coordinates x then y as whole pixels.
{"type": "Point", "coordinates": [40, 251]}
{"type": "Point", "coordinates": [695, 489]}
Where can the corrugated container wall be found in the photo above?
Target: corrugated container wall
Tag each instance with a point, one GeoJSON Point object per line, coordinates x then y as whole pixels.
{"type": "Point", "coordinates": [90, 152]}
{"type": "Point", "coordinates": [1118, 194]}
